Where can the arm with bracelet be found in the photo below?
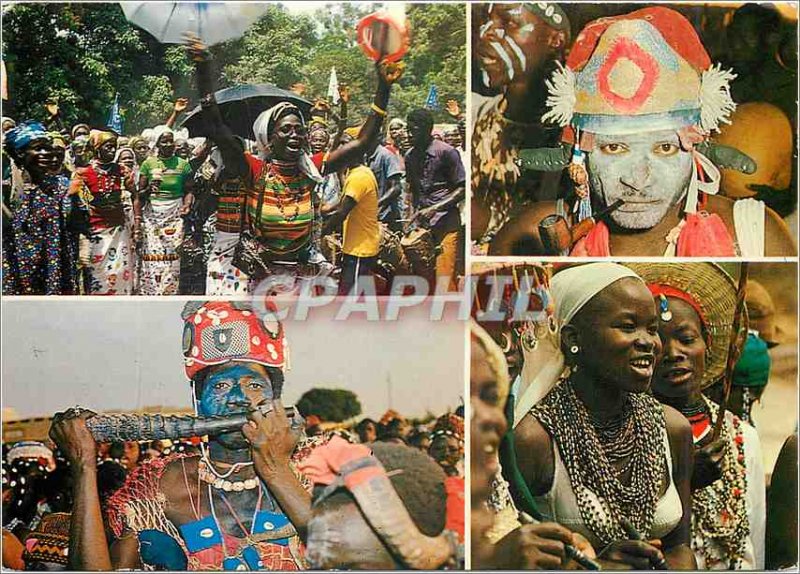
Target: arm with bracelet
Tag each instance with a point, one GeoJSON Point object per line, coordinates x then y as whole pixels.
{"type": "Point", "coordinates": [388, 74]}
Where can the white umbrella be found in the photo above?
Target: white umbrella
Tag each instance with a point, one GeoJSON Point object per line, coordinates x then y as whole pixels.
{"type": "Point", "coordinates": [213, 22]}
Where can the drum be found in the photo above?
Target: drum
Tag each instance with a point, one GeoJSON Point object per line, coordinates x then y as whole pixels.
{"type": "Point", "coordinates": [391, 257]}
{"type": "Point", "coordinates": [420, 250]}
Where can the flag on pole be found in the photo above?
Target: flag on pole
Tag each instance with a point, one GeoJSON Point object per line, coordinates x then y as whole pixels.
{"type": "Point", "coordinates": [432, 101]}
{"type": "Point", "coordinates": [333, 88]}
{"type": "Point", "coordinates": [115, 117]}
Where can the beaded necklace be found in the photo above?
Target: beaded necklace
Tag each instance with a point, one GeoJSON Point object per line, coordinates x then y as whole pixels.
{"type": "Point", "coordinates": [594, 478]}
{"type": "Point", "coordinates": [720, 524]}
{"type": "Point", "coordinates": [282, 191]}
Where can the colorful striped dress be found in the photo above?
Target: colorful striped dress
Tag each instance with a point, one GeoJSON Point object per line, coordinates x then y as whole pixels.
{"type": "Point", "coordinates": [285, 224]}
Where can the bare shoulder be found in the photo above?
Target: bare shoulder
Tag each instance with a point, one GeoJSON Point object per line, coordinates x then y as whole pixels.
{"type": "Point", "coordinates": [534, 453]}
{"type": "Point", "coordinates": [679, 430]}
{"type": "Point", "coordinates": [530, 433]}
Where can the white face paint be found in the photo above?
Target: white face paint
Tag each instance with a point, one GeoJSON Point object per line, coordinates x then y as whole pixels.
{"type": "Point", "coordinates": [504, 45]}
{"type": "Point", "coordinates": [505, 57]}
{"type": "Point", "coordinates": [649, 171]}
{"type": "Point", "coordinates": [523, 61]}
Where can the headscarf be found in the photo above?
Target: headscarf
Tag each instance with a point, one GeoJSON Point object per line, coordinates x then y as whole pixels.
{"type": "Point", "coordinates": [264, 126]}
{"type": "Point", "coordinates": [98, 137]}
{"type": "Point", "coordinates": [20, 137]}
{"type": "Point", "coordinates": [159, 131]}
{"type": "Point", "coordinates": [752, 368]}
{"type": "Point", "coordinates": [75, 128]}
{"type": "Point", "coordinates": [494, 357]}
{"type": "Point", "coordinates": [571, 290]}
{"type": "Point", "coordinates": [449, 424]}
{"type": "Point", "coordinates": [134, 140]}
{"type": "Point", "coordinates": [122, 149]}
{"type": "Point", "coordinates": [30, 449]}
{"type": "Point", "coordinates": [58, 137]}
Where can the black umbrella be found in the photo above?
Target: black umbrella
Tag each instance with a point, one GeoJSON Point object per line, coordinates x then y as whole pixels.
{"type": "Point", "coordinates": [240, 106]}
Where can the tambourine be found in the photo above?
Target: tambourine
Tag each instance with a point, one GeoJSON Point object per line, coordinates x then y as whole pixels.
{"type": "Point", "coordinates": [383, 36]}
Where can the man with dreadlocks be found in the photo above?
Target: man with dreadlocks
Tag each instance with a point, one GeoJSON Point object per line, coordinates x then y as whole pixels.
{"type": "Point", "coordinates": [241, 504]}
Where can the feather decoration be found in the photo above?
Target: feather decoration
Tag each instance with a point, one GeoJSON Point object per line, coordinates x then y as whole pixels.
{"type": "Point", "coordinates": [716, 104]}
{"type": "Point", "coordinates": [561, 98]}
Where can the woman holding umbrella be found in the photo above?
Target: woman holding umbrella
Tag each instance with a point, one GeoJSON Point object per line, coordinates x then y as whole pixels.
{"type": "Point", "coordinates": [281, 212]}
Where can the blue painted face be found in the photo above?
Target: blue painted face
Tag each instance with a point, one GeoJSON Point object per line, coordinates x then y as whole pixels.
{"type": "Point", "coordinates": [234, 388]}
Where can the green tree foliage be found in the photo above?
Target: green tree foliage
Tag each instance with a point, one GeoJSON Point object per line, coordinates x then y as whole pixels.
{"type": "Point", "coordinates": [330, 405]}
{"type": "Point", "coordinates": [82, 54]}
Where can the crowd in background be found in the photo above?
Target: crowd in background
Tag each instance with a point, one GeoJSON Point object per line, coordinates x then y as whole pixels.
{"type": "Point", "coordinates": [37, 497]}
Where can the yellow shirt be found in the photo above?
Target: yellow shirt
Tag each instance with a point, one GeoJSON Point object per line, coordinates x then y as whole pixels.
{"type": "Point", "coordinates": [362, 236]}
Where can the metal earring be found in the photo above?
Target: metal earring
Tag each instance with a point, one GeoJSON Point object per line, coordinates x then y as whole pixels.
{"type": "Point", "coordinates": [574, 349]}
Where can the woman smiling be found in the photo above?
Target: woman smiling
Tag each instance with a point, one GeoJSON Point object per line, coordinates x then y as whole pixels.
{"type": "Point", "coordinates": [600, 455]}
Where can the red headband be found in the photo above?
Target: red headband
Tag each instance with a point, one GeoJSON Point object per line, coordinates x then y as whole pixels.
{"type": "Point", "coordinates": [658, 289]}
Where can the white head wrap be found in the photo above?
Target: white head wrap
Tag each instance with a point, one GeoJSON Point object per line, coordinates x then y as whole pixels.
{"type": "Point", "coordinates": [265, 123]}
{"type": "Point", "coordinates": [571, 289]}
{"type": "Point", "coordinates": [159, 131]}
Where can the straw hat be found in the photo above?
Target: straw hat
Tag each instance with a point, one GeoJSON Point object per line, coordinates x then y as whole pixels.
{"type": "Point", "coordinates": [714, 292]}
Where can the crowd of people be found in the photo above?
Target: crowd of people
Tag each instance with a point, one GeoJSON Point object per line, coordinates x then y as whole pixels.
{"type": "Point", "coordinates": [598, 426]}
{"type": "Point", "coordinates": [91, 211]}
{"type": "Point", "coordinates": [282, 492]}
{"type": "Point", "coordinates": [623, 137]}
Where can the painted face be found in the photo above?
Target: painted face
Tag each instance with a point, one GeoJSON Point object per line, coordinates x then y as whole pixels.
{"type": "Point", "coordinates": [340, 538]}
{"type": "Point", "coordinates": [234, 388]}
{"type": "Point", "coordinates": [445, 450]}
{"type": "Point", "coordinates": [649, 171]}
{"type": "Point", "coordinates": [127, 158]}
{"type": "Point", "coordinates": [142, 150]}
{"type": "Point", "coordinates": [288, 137]}
{"type": "Point", "coordinates": [39, 157]}
{"type": "Point", "coordinates": [7, 125]}
{"type": "Point", "coordinates": [106, 152]}
{"type": "Point", "coordinates": [487, 423]}
{"type": "Point", "coordinates": [683, 361]}
{"type": "Point", "coordinates": [618, 336]}
{"type": "Point", "coordinates": [318, 140]}
{"type": "Point", "coordinates": [512, 42]}
{"type": "Point", "coordinates": [123, 141]}
{"type": "Point", "coordinates": [166, 145]}
{"type": "Point", "coordinates": [81, 131]}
